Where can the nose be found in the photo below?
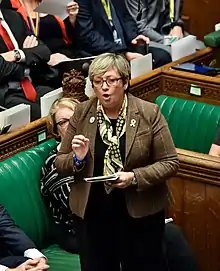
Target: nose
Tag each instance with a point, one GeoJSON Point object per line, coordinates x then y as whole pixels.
{"type": "Point", "coordinates": [105, 85]}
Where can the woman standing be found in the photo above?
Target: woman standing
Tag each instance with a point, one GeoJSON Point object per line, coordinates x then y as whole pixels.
{"type": "Point", "coordinates": [120, 223]}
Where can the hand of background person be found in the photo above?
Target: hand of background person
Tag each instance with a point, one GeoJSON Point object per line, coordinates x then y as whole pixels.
{"type": "Point", "coordinates": [124, 180]}
{"type": "Point", "coordinates": [177, 32]}
{"type": "Point", "coordinates": [30, 42]}
{"type": "Point", "coordinates": [42, 264]}
{"type": "Point", "coordinates": [9, 56]}
{"type": "Point", "coordinates": [72, 9]}
{"type": "Point", "coordinates": [80, 146]}
{"type": "Point", "coordinates": [130, 56]}
{"type": "Point", "coordinates": [31, 265]}
{"type": "Point", "coordinates": [140, 39]}
{"type": "Point", "coordinates": [57, 58]}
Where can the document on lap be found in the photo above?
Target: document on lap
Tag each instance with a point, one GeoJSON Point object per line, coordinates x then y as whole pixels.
{"type": "Point", "coordinates": [54, 7]}
{"type": "Point", "coordinates": [111, 178]}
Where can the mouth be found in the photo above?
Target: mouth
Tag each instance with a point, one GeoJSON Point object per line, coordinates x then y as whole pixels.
{"type": "Point", "coordinates": [106, 96]}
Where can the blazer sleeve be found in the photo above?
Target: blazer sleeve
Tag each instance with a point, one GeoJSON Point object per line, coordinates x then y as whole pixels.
{"type": "Point", "coordinates": [11, 236]}
{"type": "Point", "coordinates": [10, 71]}
{"type": "Point", "coordinates": [145, 17]}
{"type": "Point", "coordinates": [164, 158]}
{"type": "Point", "coordinates": [91, 39]}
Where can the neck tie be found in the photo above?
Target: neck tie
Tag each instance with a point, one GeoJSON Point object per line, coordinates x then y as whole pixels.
{"type": "Point", "coordinates": [29, 90]}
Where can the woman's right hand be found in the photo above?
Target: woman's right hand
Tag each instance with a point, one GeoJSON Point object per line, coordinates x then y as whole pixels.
{"type": "Point", "coordinates": [80, 146]}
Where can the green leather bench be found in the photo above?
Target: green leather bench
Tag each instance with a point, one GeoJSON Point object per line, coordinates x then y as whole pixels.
{"type": "Point", "coordinates": [193, 124]}
{"type": "Point", "coordinates": [20, 194]}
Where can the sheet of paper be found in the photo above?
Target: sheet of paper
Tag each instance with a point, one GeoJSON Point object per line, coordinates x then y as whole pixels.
{"type": "Point", "coordinates": [183, 47]}
{"type": "Point", "coordinates": [54, 7]}
{"type": "Point", "coordinates": [141, 66]}
{"type": "Point", "coordinates": [17, 116]}
{"type": "Point", "coordinates": [47, 100]}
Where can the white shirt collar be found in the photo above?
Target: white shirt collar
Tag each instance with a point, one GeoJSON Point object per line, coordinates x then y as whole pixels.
{"type": "Point", "coordinates": [1, 16]}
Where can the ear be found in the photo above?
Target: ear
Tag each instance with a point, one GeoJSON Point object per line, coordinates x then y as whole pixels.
{"type": "Point", "coordinates": [126, 84]}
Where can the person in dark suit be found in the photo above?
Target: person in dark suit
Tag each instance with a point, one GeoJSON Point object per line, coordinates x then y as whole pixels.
{"type": "Point", "coordinates": [107, 26]}
{"type": "Point", "coordinates": [16, 247]}
{"type": "Point", "coordinates": [24, 73]}
{"type": "Point", "coordinates": [119, 221]}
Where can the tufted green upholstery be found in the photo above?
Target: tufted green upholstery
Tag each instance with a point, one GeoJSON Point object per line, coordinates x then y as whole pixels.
{"type": "Point", "coordinates": [20, 194]}
{"type": "Point", "coordinates": [193, 125]}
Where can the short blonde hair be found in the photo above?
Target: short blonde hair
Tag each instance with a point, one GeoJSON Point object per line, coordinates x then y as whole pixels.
{"type": "Point", "coordinates": [102, 63]}
{"type": "Point", "coordinates": [62, 102]}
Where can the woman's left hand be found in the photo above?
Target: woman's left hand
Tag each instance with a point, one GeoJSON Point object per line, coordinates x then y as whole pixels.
{"type": "Point", "coordinates": [124, 179]}
{"type": "Point", "coordinates": [72, 10]}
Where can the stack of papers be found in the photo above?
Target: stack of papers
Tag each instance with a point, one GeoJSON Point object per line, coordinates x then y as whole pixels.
{"type": "Point", "coordinates": [47, 100]}
{"type": "Point", "coordinates": [15, 116]}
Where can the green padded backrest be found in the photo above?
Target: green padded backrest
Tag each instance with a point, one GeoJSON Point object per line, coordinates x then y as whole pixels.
{"type": "Point", "coordinates": [193, 125]}
{"type": "Point", "coordinates": [20, 193]}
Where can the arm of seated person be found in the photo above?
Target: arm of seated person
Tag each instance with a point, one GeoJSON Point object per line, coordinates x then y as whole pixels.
{"type": "Point", "coordinates": [214, 150]}
{"type": "Point", "coordinates": [145, 19]}
{"type": "Point", "coordinates": [31, 265]}
{"type": "Point", "coordinates": [34, 50]}
{"type": "Point", "coordinates": [17, 242]}
{"type": "Point", "coordinates": [10, 70]}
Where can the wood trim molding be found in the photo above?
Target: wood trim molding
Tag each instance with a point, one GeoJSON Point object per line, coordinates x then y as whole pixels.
{"type": "Point", "coordinates": [23, 138]}
{"type": "Point", "coordinates": [199, 167]}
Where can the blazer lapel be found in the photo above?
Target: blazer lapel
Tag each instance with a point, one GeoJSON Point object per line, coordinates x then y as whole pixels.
{"type": "Point", "coordinates": [132, 124]}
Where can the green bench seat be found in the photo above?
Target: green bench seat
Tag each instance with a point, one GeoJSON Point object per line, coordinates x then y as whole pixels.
{"type": "Point", "coordinates": [193, 124]}
{"type": "Point", "coordinates": [20, 194]}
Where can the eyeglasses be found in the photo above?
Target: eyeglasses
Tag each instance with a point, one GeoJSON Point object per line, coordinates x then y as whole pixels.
{"type": "Point", "coordinates": [63, 122]}
{"type": "Point", "coordinates": [111, 82]}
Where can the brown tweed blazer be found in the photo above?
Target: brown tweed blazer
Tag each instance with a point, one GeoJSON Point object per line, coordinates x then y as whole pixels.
{"type": "Point", "coordinates": [150, 154]}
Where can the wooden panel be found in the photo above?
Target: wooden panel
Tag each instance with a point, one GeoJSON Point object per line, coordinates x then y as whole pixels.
{"type": "Point", "coordinates": [196, 205]}
{"type": "Point", "coordinates": [201, 16]}
{"type": "Point", "coordinates": [23, 138]}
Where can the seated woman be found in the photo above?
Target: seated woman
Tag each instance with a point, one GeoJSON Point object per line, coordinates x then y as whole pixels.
{"type": "Point", "coordinates": [215, 148]}
{"type": "Point", "coordinates": [55, 189]}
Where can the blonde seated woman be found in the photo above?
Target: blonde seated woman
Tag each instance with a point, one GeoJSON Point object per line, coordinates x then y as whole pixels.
{"type": "Point", "coordinates": [55, 189]}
